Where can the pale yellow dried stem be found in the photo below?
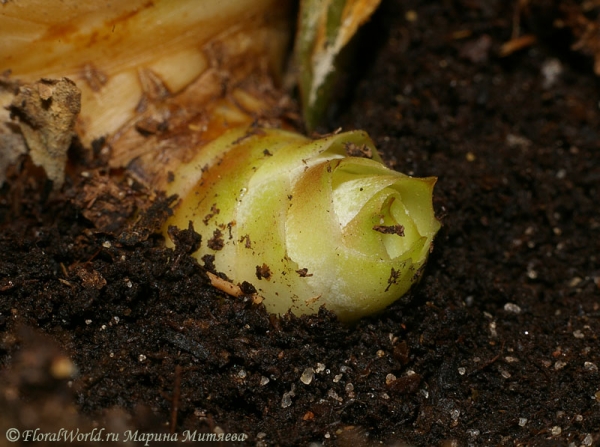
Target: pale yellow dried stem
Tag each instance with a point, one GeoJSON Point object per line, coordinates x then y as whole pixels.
{"type": "Point", "coordinates": [230, 288]}
{"type": "Point", "coordinates": [123, 55]}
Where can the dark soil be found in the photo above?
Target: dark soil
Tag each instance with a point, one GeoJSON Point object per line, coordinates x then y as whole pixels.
{"type": "Point", "coordinates": [102, 326]}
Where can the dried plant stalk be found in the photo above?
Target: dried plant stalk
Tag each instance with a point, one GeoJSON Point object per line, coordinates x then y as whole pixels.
{"type": "Point", "coordinates": [125, 55]}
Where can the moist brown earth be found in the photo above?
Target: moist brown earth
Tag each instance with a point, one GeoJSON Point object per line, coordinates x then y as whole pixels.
{"type": "Point", "coordinates": [102, 326]}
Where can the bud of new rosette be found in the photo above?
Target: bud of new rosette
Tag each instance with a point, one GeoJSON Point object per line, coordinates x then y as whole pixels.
{"type": "Point", "coordinates": [308, 223]}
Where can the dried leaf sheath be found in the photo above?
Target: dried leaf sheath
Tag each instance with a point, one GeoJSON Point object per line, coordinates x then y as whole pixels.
{"type": "Point", "coordinates": [125, 55]}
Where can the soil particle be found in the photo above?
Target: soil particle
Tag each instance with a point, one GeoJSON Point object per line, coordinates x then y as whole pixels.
{"type": "Point", "coordinates": [156, 349]}
{"type": "Point", "coordinates": [390, 229]}
{"type": "Point", "coordinates": [216, 242]}
{"type": "Point", "coordinates": [263, 271]}
{"type": "Point", "coordinates": [352, 150]}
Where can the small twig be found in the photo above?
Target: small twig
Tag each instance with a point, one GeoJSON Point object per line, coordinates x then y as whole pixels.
{"type": "Point", "coordinates": [516, 28]}
{"type": "Point", "coordinates": [176, 396]}
{"type": "Point", "coordinates": [489, 362]}
{"type": "Point", "coordinates": [230, 288]}
{"type": "Point", "coordinates": [224, 286]}
{"type": "Point", "coordinates": [517, 44]}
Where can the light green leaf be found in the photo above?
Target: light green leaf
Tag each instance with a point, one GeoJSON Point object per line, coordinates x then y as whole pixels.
{"type": "Point", "coordinates": [325, 27]}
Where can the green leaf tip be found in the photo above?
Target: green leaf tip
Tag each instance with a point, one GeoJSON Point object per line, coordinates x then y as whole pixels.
{"type": "Point", "coordinates": [325, 27]}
